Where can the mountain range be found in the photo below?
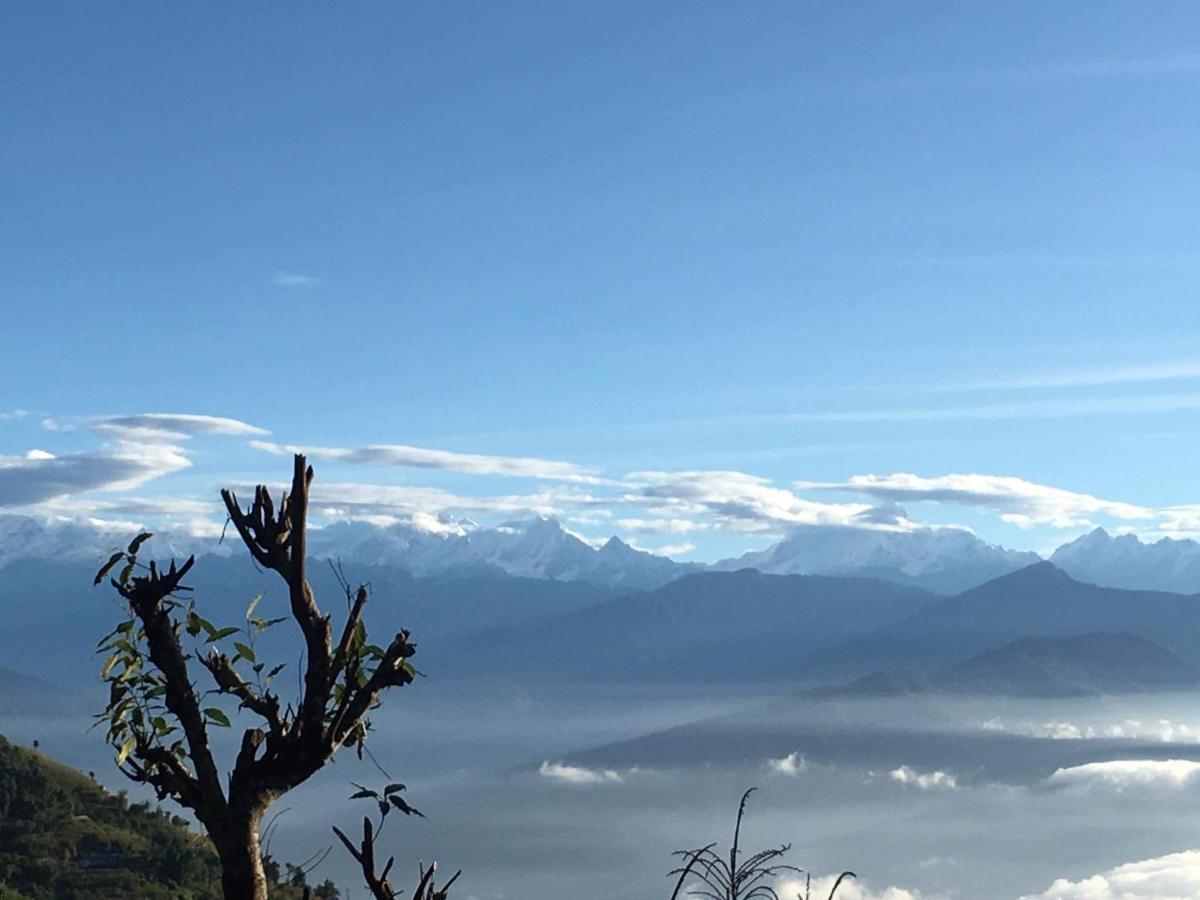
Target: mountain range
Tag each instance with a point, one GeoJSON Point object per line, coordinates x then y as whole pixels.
{"type": "Point", "coordinates": [751, 626]}
{"type": "Point", "coordinates": [1071, 666]}
{"type": "Point", "coordinates": [943, 560]}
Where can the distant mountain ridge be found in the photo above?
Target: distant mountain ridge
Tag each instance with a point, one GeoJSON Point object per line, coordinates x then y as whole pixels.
{"type": "Point", "coordinates": [1069, 666]}
{"type": "Point", "coordinates": [533, 548]}
{"type": "Point", "coordinates": [945, 560]}
{"type": "Point", "coordinates": [1124, 561]}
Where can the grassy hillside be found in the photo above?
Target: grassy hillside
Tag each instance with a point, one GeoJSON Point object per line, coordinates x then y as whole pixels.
{"type": "Point", "coordinates": [64, 836]}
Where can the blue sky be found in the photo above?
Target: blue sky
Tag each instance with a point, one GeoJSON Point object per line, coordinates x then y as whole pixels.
{"type": "Point", "coordinates": [801, 243]}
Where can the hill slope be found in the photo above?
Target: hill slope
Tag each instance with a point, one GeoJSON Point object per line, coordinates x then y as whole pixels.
{"type": "Point", "coordinates": [1038, 601]}
{"type": "Point", "coordinates": [1073, 666]}
{"type": "Point", "coordinates": [712, 625]}
{"type": "Point", "coordinates": [63, 835]}
{"type": "Point", "coordinates": [1099, 663]}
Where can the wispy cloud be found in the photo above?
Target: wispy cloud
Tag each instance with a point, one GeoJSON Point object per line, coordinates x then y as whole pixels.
{"type": "Point", "coordinates": [39, 476]}
{"type": "Point", "coordinates": [382, 503]}
{"type": "Point", "coordinates": [1097, 376]}
{"type": "Point", "coordinates": [1145, 67]}
{"type": "Point", "coordinates": [737, 501]}
{"type": "Point", "coordinates": [294, 279]}
{"type": "Point", "coordinates": [157, 427]}
{"type": "Point", "coordinates": [1019, 502]}
{"type": "Point", "coordinates": [136, 449]}
{"type": "Point", "coordinates": [577, 775]}
{"type": "Point", "coordinates": [1170, 877]}
{"type": "Point", "coordinates": [426, 458]}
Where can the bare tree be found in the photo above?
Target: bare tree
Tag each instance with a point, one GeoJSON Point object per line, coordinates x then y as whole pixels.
{"type": "Point", "coordinates": [156, 718]}
{"type": "Point", "coordinates": [737, 878]}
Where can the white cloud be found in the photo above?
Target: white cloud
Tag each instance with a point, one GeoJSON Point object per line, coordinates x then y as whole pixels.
{"type": "Point", "coordinates": [673, 549]}
{"type": "Point", "coordinates": [1181, 369]}
{"type": "Point", "coordinates": [137, 449]}
{"type": "Point", "coordinates": [791, 765]}
{"type": "Point", "coordinates": [1175, 876]}
{"type": "Point", "coordinates": [1019, 502]}
{"type": "Point", "coordinates": [161, 427]}
{"type": "Point", "coordinates": [850, 889]}
{"type": "Point", "coordinates": [357, 501]}
{"type": "Point", "coordinates": [1123, 774]}
{"type": "Point", "coordinates": [426, 458]}
{"type": "Point", "coordinates": [39, 476]}
{"type": "Point", "coordinates": [926, 781]}
{"type": "Point", "coordinates": [294, 279]}
{"type": "Point", "coordinates": [739, 502]}
{"type": "Point", "coordinates": [1143, 404]}
{"type": "Point", "coordinates": [577, 775]}
{"type": "Point", "coordinates": [1164, 730]}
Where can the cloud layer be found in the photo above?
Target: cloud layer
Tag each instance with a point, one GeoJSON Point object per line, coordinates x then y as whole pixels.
{"type": "Point", "coordinates": [1126, 774]}
{"type": "Point", "coordinates": [1019, 502]}
{"type": "Point", "coordinates": [1172, 877]}
{"type": "Point", "coordinates": [426, 458]}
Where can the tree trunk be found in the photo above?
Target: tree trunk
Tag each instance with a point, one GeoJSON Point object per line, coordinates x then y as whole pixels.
{"type": "Point", "coordinates": [242, 875]}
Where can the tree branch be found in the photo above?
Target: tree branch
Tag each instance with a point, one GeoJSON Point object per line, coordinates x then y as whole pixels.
{"type": "Point", "coordinates": [146, 595]}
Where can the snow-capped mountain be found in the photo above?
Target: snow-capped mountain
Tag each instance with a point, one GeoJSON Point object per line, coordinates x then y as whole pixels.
{"type": "Point", "coordinates": [533, 548]}
{"type": "Point", "coordinates": [946, 560]}
{"type": "Point", "coordinates": [26, 537]}
{"type": "Point", "coordinates": [1124, 561]}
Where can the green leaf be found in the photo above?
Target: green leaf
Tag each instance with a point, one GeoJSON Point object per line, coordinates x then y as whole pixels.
{"type": "Point", "coordinates": [107, 567]}
{"type": "Point", "coordinates": [221, 634]}
{"type": "Point", "coordinates": [217, 716]}
{"type": "Point", "coordinates": [253, 603]}
{"type": "Point", "coordinates": [262, 625]}
{"type": "Point", "coordinates": [359, 795]}
{"type": "Point", "coordinates": [202, 622]}
{"type": "Point", "coordinates": [126, 571]}
{"type": "Point", "coordinates": [405, 808]}
{"type": "Point", "coordinates": [137, 542]}
{"type": "Point", "coordinates": [245, 651]}
{"type": "Point", "coordinates": [126, 749]}
{"type": "Point", "coordinates": [394, 788]}
{"type": "Point", "coordinates": [108, 665]}
{"type": "Point", "coordinates": [275, 671]}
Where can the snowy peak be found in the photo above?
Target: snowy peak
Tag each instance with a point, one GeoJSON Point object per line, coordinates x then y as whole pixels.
{"type": "Point", "coordinates": [940, 559]}
{"type": "Point", "coordinates": [1124, 561]}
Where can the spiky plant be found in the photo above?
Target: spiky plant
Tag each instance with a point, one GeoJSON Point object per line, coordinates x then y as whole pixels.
{"type": "Point", "coordinates": [731, 878]}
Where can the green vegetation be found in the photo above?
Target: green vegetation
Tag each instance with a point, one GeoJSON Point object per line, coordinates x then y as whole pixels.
{"type": "Point", "coordinates": [64, 836]}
